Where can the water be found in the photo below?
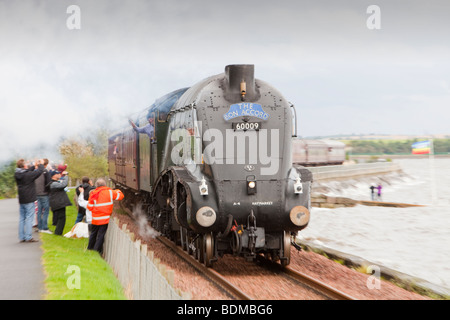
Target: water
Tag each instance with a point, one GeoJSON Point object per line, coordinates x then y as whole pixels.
{"type": "Point", "coordinates": [414, 240]}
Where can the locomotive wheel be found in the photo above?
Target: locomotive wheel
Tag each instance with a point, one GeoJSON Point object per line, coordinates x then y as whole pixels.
{"type": "Point", "coordinates": [187, 240]}
{"type": "Point", "coordinates": [199, 254]}
{"type": "Point", "coordinates": [286, 257]}
{"type": "Point", "coordinates": [208, 249]}
{"type": "Point", "coordinates": [236, 244]}
{"type": "Point", "coordinates": [175, 237]}
{"type": "Point", "coordinates": [167, 184]}
{"type": "Point", "coordinates": [183, 243]}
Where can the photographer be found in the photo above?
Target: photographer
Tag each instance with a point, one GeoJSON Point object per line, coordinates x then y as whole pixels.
{"type": "Point", "coordinates": [42, 199]}
{"type": "Point", "coordinates": [58, 198]}
{"type": "Point", "coordinates": [25, 175]}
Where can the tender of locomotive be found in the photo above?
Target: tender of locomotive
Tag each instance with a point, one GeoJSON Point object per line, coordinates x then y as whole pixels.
{"type": "Point", "coordinates": [217, 176]}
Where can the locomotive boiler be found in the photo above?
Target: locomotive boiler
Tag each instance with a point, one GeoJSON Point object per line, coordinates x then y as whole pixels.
{"type": "Point", "coordinates": [216, 175]}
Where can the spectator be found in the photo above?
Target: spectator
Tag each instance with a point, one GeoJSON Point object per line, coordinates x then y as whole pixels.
{"type": "Point", "coordinates": [83, 203]}
{"type": "Point", "coordinates": [86, 185]}
{"type": "Point", "coordinates": [25, 177]}
{"type": "Point", "coordinates": [58, 198]}
{"type": "Point", "coordinates": [372, 191]}
{"type": "Point", "coordinates": [379, 191]}
{"type": "Point", "coordinates": [42, 199]}
{"type": "Point", "coordinates": [61, 168]}
{"type": "Point", "coordinates": [101, 202]}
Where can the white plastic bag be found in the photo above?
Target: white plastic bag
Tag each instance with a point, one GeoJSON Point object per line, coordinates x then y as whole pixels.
{"type": "Point", "coordinates": [80, 230]}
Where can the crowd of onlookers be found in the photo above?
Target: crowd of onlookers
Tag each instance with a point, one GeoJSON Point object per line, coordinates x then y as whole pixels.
{"type": "Point", "coordinates": [43, 188]}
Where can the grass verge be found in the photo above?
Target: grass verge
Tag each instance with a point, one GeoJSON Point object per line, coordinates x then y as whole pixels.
{"type": "Point", "coordinates": [72, 271]}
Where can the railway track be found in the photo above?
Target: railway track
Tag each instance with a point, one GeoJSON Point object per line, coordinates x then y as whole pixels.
{"type": "Point", "coordinates": [234, 292]}
{"type": "Point", "coordinates": [225, 286]}
{"type": "Point", "coordinates": [213, 275]}
{"type": "Point", "coordinates": [322, 288]}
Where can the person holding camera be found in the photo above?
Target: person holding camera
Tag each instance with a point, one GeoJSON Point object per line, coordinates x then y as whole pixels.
{"type": "Point", "coordinates": [58, 198]}
{"type": "Point", "coordinates": [25, 176]}
{"type": "Point", "coordinates": [42, 199]}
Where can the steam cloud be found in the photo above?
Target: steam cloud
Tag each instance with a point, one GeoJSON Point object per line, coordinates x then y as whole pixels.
{"type": "Point", "coordinates": [145, 230]}
{"type": "Point", "coordinates": [59, 82]}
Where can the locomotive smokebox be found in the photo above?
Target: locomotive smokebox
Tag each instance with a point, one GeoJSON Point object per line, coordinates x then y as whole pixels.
{"type": "Point", "coordinates": [240, 83]}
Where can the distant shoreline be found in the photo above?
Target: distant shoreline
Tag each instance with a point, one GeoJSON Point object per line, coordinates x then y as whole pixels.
{"type": "Point", "coordinates": [381, 137]}
{"type": "Point", "coordinates": [397, 156]}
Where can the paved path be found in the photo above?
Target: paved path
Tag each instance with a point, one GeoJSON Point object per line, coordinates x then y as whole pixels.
{"type": "Point", "coordinates": [21, 272]}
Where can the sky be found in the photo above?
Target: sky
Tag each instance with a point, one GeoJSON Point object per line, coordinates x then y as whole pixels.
{"type": "Point", "coordinates": [343, 75]}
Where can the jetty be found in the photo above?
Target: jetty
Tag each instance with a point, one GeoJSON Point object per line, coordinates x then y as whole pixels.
{"type": "Point", "coordinates": [323, 201]}
{"type": "Point", "coordinates": [344, 174]}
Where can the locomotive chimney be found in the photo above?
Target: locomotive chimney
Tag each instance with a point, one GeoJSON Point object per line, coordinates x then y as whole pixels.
{"type": "Point", "coordinates": [240, 83]}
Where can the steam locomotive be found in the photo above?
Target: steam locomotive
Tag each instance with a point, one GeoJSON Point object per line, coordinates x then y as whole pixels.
{"type": "Point", "coordinates": [215, 174]}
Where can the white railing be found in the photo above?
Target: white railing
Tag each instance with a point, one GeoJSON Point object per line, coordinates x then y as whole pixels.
{"type": "Point", "coordinates": [141, 275]}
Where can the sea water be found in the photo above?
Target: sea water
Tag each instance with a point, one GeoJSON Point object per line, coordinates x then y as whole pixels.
{"type": "Point", "coordinates": [413, 240]}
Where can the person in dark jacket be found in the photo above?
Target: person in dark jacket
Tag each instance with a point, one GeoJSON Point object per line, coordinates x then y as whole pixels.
{"type": "Point", "coordinates": [372, 192]}
{"type": "Point", "coordinates": [59, 199]}
{"type": "Point", "coordinates": [42, 199]}
{"type": "Point", "coordinates": [25, 177]}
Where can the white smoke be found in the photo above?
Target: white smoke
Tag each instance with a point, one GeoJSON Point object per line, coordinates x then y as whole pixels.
{"type": "Point", "coordinates": [145, 230]}
{"type": "Point", "coordinates": [59, 81]}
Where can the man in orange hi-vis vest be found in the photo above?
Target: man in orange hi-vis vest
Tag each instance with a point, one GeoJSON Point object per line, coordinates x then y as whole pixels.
{"type": "Point", "coordinates": [100, 203]}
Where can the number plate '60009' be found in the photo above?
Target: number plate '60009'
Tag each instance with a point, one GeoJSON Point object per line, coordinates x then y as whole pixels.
{"type": "Point", "coordinates": [244, 126]}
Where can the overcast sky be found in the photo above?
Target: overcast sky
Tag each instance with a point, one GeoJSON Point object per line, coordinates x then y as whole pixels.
{"type": "Point", "coordinates": [342, 76]}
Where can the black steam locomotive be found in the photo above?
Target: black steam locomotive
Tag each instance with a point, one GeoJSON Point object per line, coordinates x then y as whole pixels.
{"type": "Point", "coordinates": [215, 174]}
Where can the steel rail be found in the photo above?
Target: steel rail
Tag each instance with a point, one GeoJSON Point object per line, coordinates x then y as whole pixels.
{"type": "Point", "coordinates": [233, 291]}
{"type": "Point", "coordinates": [315, 284]}
{"type": "Point", "coordinates": [213, 275]}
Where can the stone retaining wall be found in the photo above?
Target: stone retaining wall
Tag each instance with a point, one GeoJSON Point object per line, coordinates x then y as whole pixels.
{"type": "Point", "coordinates": [142, 276]}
